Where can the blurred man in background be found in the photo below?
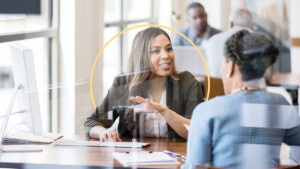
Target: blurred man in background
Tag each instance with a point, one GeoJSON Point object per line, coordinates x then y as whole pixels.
{"type": "Point", "coordinates": [199, 30]}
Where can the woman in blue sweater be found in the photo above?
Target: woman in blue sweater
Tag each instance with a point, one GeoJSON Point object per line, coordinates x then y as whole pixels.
{"type": "Point", "coordinates": [245, 128]}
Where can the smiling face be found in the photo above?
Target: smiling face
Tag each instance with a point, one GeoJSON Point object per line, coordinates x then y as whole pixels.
{"type": "Point", "coordinates": [161, 56]}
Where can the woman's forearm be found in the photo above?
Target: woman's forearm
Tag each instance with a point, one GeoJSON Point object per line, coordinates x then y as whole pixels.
{"type": "Point", "coordinates": [176, 121]}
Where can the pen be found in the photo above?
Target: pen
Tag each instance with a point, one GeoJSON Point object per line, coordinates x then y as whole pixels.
{"type": "Point", "coordinates": [133, 152]}
{"type": "Point", "coordinates": [171, 153]}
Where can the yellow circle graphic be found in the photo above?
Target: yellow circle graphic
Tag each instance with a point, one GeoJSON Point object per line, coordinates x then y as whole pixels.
{"type": "Point", "coordinates": [139, 26]}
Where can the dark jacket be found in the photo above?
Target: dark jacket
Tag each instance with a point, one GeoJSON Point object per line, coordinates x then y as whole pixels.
{"type": "Point", "coordinates": [183, 96]}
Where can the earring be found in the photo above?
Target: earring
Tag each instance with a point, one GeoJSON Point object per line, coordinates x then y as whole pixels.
{"type": "Point", "coordinates": [227, 75]}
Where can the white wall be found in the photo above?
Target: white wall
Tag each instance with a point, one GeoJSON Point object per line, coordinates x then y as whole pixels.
{"type": "Point", "coordinates": [66, 108]}
{"type": "Point", "coordinates": [88, 40]}
{"type": "Point", "coordinates": [179, 6]}
{"type": "Point", "coordinates": [218, 12]}
{"type": "Point", "coordinates": [164, 12]}
{"type": "Point", "coordinates": [81, 28]}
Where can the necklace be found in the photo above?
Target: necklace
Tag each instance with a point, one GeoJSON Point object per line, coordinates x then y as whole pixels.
{"type": "Point", "coordinates": [247, 89]}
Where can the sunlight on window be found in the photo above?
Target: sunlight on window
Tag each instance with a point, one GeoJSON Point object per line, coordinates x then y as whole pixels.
{"type": "Point", "coordinates": [118, 15]}
{"type": "Point", "coordinates": [137, 9]}
{"type": "Point", "coordinates": [111, 58]}
{"type": "Point", "coordinates": [112, 14]}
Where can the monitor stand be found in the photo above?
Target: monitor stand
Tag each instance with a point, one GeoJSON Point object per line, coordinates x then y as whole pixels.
{"type": "Point", "coordinates": [19, 147]}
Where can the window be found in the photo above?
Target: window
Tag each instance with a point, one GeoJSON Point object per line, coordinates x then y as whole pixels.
{"type": "Point", "coordinates": [35, 32]}
{"type": "Point", "coordinates": [125, 13]}
{"type": "Point", "coordinates": [111, 56]}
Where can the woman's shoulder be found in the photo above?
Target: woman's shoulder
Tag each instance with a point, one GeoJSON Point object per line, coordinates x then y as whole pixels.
{"type": "Point", "coordinates": [186, 75]}
{"type": "Point", "coordinates": [214, 106]}
{"type": "Point", "coordinates": [275, 98]}
{"type": "Point", "coordinates": [216, 102]}
{"type": "Point", "coordinates": [121, 79]}
{"type": "Point", "coordinates": [207, 109]}
{"type": "Point", "coordinates": [186, 79]}
{"type": "Point", "coordinates": [255, 97]}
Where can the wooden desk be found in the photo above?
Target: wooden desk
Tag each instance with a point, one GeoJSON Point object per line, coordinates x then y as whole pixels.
{"type": "Point", "coordinates": [76, 157]}
{"type": "Point", "coordinates": [290, 82]}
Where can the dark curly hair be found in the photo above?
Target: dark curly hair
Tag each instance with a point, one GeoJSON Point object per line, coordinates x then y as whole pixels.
{"type": "Point", "coordinates": [252, 52]}
{"type": "Point", "coordinates": [194, 5]}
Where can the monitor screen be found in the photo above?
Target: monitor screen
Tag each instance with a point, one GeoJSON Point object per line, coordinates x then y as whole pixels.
{"type": "Point", "coordinates": [25, 75]}
{"type": "Point", "coordinates": [187, 59]}
{"type": "Point", "coordinates": [20, 6]}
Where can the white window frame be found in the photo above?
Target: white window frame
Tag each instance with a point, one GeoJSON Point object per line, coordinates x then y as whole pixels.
{"type": "Point", "coordinates": [122, 24]}
{"type": "Point", "coordinates": [50, 33]}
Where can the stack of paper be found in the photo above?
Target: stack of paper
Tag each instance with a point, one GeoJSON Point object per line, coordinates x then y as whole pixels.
{"type": "Point", "coordinates": [72, 142]}
{"type": "Point", "coordinates": [27, 137]}
{"type": "Point", "coordinates": [139, 158]}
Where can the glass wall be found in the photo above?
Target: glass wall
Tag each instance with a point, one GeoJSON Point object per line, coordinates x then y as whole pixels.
{"type": "Point", "coordinates": [36, 33]}
{"type": "Point", "coordinates": [125, 13]}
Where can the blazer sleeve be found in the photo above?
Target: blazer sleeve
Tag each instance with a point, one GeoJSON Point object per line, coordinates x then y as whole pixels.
{"type": "Point", "coordinates": [116, 95]}
{"type": "Point", "coordinates": [194, 95]}
{"type": "Point", "coordinates": [98, 117]}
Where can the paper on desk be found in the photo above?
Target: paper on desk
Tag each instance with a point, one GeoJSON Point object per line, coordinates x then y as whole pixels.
{"type": "Point", "coordinates": [115, 125]}
{"type": "Point", "coordinates": [287, 162]}
{"type": "Point", "coordinates": [27, 137]}
{"type": "Point", "coordinates": [186, 126]}
{"type": "Point", "coordinates": [139, 158]}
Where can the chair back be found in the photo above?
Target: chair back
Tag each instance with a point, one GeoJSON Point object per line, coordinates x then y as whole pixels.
{"type": "Point", "coordinates": [216, 88]}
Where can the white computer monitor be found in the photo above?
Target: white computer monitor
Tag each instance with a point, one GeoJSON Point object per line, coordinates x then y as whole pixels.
{"type": "Point", "coordinates": [25, 75]}
{"type": "Point", "coordinates": [187, 59]}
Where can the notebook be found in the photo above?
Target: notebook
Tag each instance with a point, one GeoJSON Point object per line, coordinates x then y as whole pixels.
{"type": "Point", "coordinates": [27, 137]}
{"type": "Point", "coordinates": [72, 142]}
{"type": "Point", "coordinates": [144, 158]}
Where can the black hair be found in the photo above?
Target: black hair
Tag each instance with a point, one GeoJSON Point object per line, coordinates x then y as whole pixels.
{"type": "Point", "coordinates": [252, 52]}
{"type": "Point", "coordinates": [194, 5]}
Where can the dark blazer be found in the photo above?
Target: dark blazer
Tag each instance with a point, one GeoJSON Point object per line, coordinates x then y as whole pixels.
{"type": "Point", "coordinates": [183, 96]}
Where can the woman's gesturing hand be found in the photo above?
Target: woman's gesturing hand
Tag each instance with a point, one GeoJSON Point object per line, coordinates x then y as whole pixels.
{"type": "Point", "coordinates": [149, 106]}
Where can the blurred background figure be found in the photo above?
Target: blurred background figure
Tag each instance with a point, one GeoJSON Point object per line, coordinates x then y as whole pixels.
{"type": "Point", "coordinates": [199, 30]}
{"type": "Point", "coordinates": [239, 19]}
{"type": "Point", "coordinates": [272, 19]}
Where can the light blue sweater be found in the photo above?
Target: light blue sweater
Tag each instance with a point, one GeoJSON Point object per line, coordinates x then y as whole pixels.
{"type": "Point", "coordinates": [228, 133]}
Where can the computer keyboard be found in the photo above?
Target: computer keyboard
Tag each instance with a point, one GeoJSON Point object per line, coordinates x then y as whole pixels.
{"type": "Point", "coordinates": [21, 148]}
{"type": "Point", "coordinates": [71, 142]}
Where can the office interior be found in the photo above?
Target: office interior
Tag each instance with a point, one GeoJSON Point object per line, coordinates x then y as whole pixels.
{"type": "Point", "coordinates": [68, 38]}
